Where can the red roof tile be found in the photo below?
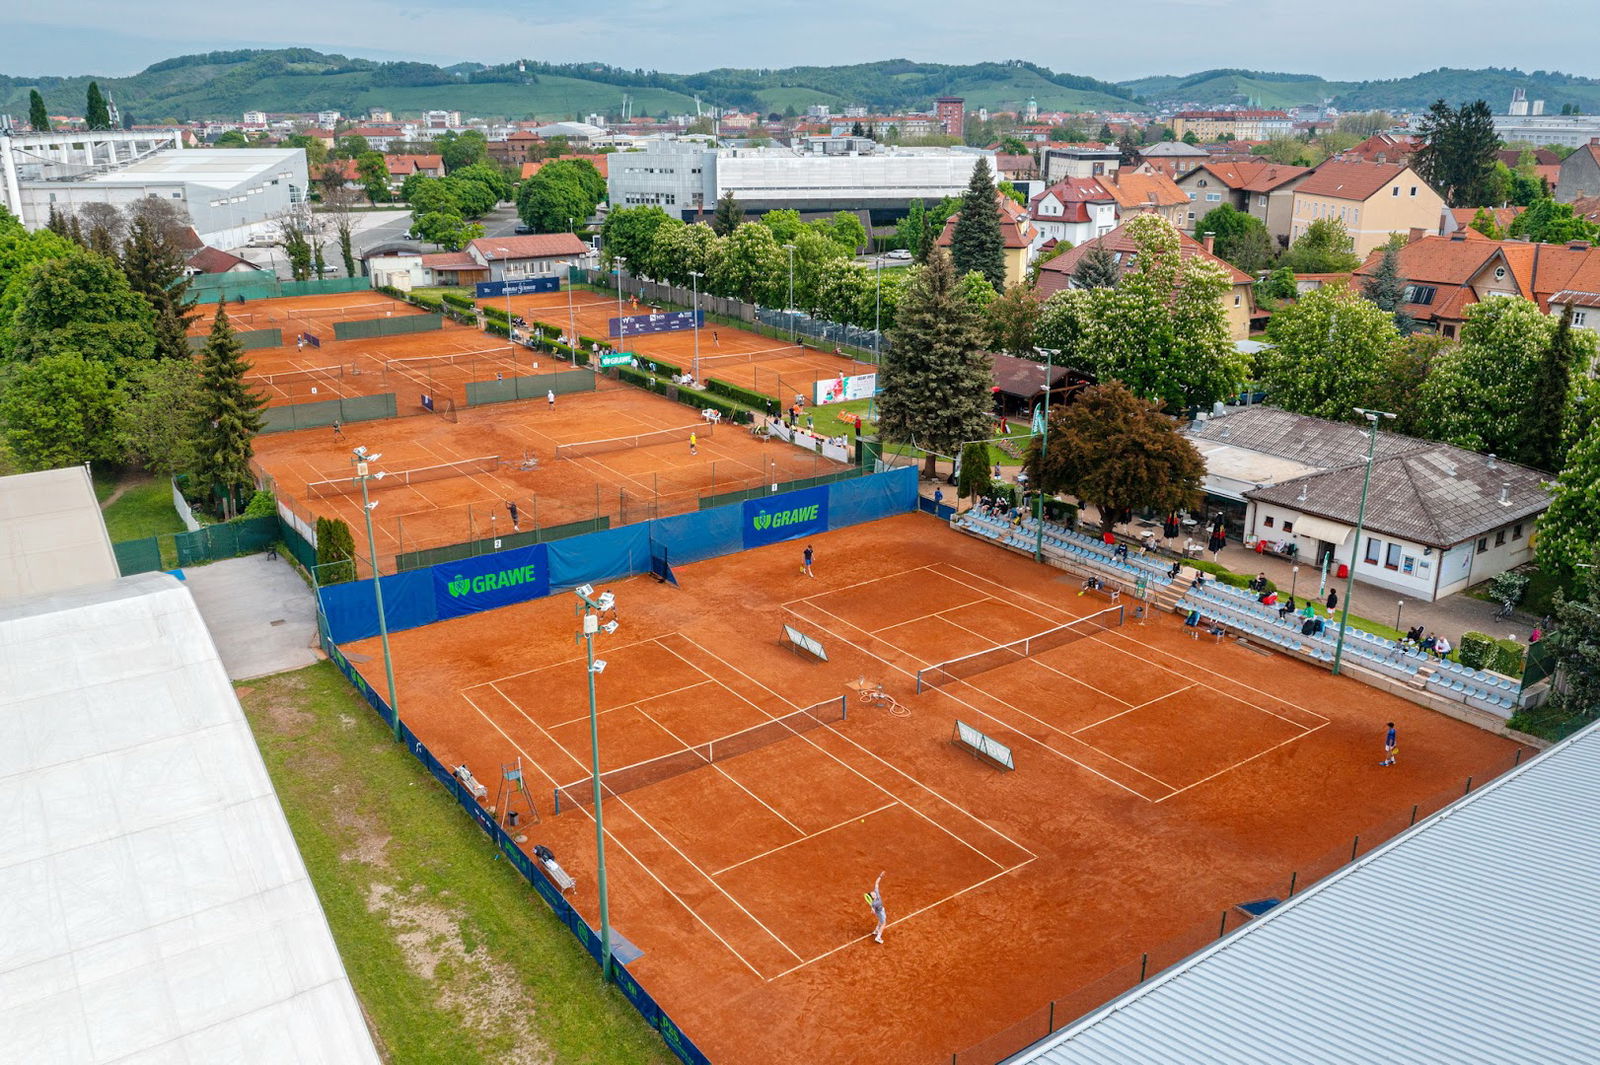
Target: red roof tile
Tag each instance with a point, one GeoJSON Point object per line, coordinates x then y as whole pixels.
{"type": "Point", "coordinates": [452, 260]}
{"type": "Point", "coordinates": [539, 246]}
{"type": "Point", "coordinates": [1054, 275]}
{"type": "Point", "coordinates": [210, 260]}
{"type": "Point", "coordinates": [1349, 181]}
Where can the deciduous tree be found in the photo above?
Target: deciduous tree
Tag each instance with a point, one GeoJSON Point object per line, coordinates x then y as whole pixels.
{"type": "Point", "coordinates": [560, 195]}
{"type": "Point", "coordinates": [1326, 353]}
{"type": "Point", "coordinates": [59, 410]}
{"type": "Point", "coordinates": [373, 171]}
{"type": "Point", "coordinates": [229, 416]}
{"type": "Point", "coordinates": [627, 234]}
{"type": "Point", "coordinates": [1548, 222]}
{"type": "Point", "coordinates": [1475, 393]}
{"type": "Point", "coordinates": [80, 304]}
{"type": "Point", "coordinates": [752, 268]}
{"type": "Point", "coordinates": [157, 420]}
{"type": "Point", "coordinates": [1241, 239]}
{"type": "Point", "coordinates": [1324, 248]}
{"type": "Point", "coordinates": [156, 270]}
{"type": "Point", "coordinates": [1012, 318]}
{"type": "Point", "coordinates": [976, 242]}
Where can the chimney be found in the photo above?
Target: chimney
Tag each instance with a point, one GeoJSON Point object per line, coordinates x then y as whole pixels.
{"type": "Point", "coordinates": [1210, 242]}
{"type": "Point", "coordinates": [1505, 493]}
{"type": "Point", "coordinates": [1415, 234]}
{"type": "Point", "coordinates": [1490, 461]}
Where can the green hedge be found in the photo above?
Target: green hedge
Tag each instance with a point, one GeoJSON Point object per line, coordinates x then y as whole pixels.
{"type": "Point", "coordinates": [700, 400]}
{"type": "Point", "coordinates": [491, 311]}
{"type": "Point", "coordinates": [390, 290]}
{"type": "Point", "coordinates": [639, 378]}
{"type": "Point", "coordinates": [454, 299]}
{"type": "Point", "coordinates": [432, 303]}
{"type": "Point", "coordinates": [1223, 574]}
{"type": "Point", "coordinates": [660, 367]}
{"type": "Point", "coordinates": [499, 329]}
{"type": "Point", "coordinates": [1477, 650]}
{"type": "Point", "coordinates": [741, 395]}
{"type": "Point", "coordinates": [1508, 657]}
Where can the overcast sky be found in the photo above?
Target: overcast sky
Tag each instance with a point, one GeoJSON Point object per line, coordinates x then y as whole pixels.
{"type": "Point", "coordinates": [1353, 40]}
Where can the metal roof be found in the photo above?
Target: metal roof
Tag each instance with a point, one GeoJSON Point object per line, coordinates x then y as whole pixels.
{"type": "Point", "coordinates": [52, 536]}
{"type": "Point", "coordinates": [1468, 939]}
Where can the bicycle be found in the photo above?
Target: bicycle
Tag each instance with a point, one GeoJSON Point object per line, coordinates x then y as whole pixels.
{"type": "Point", "coordinates": [1505, 610]}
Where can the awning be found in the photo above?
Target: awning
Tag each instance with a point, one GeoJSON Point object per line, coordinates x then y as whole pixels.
{"type": "Point", "coordinates": [1321, 529]}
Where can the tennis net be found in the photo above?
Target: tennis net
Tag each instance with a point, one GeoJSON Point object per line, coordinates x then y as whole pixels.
{"type": "Point", "coordinates": [319, 373]}
{"type": "Point", "coordinates": [749, 356]}
{"type": "Point", "coordinates": [655, 770]}
{"type": "Point", "coordinates": [454, 358]}
{"type": "Point", "coordinates": [344, 486]}
{"type": "Point", "coordinates": [579, 449]}
{"type": "Point", "coordinates": [942, 673]}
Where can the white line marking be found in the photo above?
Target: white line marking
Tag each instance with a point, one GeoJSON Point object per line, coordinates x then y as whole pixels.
{"type": "Point", "coordinates": [802, 839]}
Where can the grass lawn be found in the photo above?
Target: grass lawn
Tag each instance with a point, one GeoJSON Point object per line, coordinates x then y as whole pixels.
{"type": "Point", "coordinates": [439, 290]}
{"type": "Point", "coordinates": [829, 423]}
{"type": "Point", "coordinates": [1538, 598]}
{"type": "Point", "coordinates": [454, 957]}
{"type": "Point", "coordinates": [143, 509]}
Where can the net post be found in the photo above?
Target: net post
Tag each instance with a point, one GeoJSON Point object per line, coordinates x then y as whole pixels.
{"type": "Point", "coordinates": [1121, 614]}
{"type": "Point", "coordinates": [1414, 812]}
{"type": "Point", "coordinates": [844, 708]}
{"type": "Point", "coordinates": [555, 799]}
{"type": "Point", "coordinates": [1144, 963]}
{"type": "Point", "coordinates": [1293, 877]}
{"type": "Point", "coordinates": [919, 682]}
{"type": "Point", "coordinates": [1223, 929]}
{"type": "Point", "coordinates": [1469, 787]}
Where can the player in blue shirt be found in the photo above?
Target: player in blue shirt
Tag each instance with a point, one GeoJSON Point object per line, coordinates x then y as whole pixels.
{"type": "Point", "coordinates": [1391, 746]}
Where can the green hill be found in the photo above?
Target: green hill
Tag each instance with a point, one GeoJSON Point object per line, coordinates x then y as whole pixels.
{"type": "Point", "coordinates": [1216, 87]}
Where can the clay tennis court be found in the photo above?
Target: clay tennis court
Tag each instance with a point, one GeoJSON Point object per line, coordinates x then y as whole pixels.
{"type": "Point", "coordinates": [1159, 781]}
{"type": "Point", "coordinates": [518, 451]}
{"type": "Point", "coordinates": [737, 356]}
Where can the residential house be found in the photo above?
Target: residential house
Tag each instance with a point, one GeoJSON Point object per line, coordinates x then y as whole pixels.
{"type": "Point", "coordinates": [1238, 302]}
{"type": "Point", "coordinates": [1015, 167]}
{"type": "Point", "coordinates": [209, 260]}
{"type": "Point", "coordinates": [1078, 161]}
{"type": "Point", "coordinates": [518, 258]}
{"type": "Point", "coordinates": [1242, 125]}
{"type": "Point", "coordinates": [379, 137]}
{"type": "Point", "coordinates": [1371, 200]}
{"type": "Point", "coordinates": [454, 268]}
{"type": "Point", "coordinates": [517, 148]}
{"type": "Point", "coordinates": [1074, 210]}
{"type": "Point", "coordinates": [1015, 227]}
{"type": "Point", "coordinates": [1254, 186]}
{"type": "Point", "coordinates": [1546, 164]}
{"type": "Point", "coordinates": [1458, 218]}
{"type": "Point", "coordinates": [1145, 190]}
{"type": "Point", "coordinates": [1173, 158]}
{"type": "Point", "coordinates": [1579, 175]}
{"type": "Point", "coordinates": [600, 162]}
{"type": "Point", "coordinates": [1385, 148]}
{"type": "Point", "coordinates": [403, 166]}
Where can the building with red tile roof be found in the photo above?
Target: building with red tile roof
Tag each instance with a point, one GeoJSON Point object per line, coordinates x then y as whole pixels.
{"type": "Point", "coordinates": [1145, 190]}
{"type": "Point", "coordinates": [1385, 148]}
{"type": "Point", "coordinates": [1253, 185]}
{"type": "Point", "coordinates": [518, 258]}
{"type": "Point", "coordinates": [1371, 200]}
{"type": "Point", "coordinates": [1074, 210]}
{"type": "Point", "coordinates": [1017, 230]}
{"type": "Point", "coordinates": [1579, 174]}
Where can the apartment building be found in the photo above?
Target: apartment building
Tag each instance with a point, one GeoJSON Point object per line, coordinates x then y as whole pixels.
{"type": "Point", "coordinates": [1371, 200]}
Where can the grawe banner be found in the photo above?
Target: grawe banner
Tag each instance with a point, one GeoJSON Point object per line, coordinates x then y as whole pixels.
{"type": "Point", "coordinates": [490, 581]}
{"type": "Point", "coordinates": [521, 286]}
{"type": "Point", "coordinates": [786, 517]}
{"type": "Point", "coordinates": [841, 389]}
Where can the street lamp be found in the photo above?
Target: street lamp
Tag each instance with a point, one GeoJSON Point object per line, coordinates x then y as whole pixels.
{"type": "Point", "coordinates": [695, 276]}
{"type": "Point", "coordinates": [511, 331]}
{"type": "Point", "coordinates": [360, 459]}
{"type": "Point", "coordinates": [1372, 417]}
{"type": "Point", "coordinates": [1044, 447]}
{"type": "Point", "coordinates": [1400, 604]}
{"type": "Point", "coordinates": [590, 609]}
{"type": "Point", "coordinates": [1294, 579]}
{"type": "Point", "coordinates": [791, 292]}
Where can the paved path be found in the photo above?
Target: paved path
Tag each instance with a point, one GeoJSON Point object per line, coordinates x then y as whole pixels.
{"type": "Point", "coordinates": [260, 613]}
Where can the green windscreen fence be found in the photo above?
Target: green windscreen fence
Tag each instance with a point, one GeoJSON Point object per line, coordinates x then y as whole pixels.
{"type": "Point", "coordinates": [138, 556]}
{"type": "Point", "coordinates": [367, 328]}
{"type": "Point", "coordinates": [534, 386]}
{"type": "Point", "coordinates": [724, 498]}
{"type": "Point", "coordinates": [244, 536]}
{"type": "Point", "coordinates": [297, 545]}
{"type": "Point", "coordinates": [248, 340]}
{"type": "Point", "coordinates": [259, 285]}
{"type": "Point", "coordinates": [324, 412]}
{"type": "Point", "coordinates": [472, 548]}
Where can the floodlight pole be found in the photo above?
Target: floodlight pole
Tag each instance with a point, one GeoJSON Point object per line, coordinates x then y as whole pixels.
{"type": "Point", "coordinates": [791, 292]}
{"type": "Point", "coordinates": [572, 321]}
{"type": "Point", "coordinates": [695, 277]}
{"type": "Point", "coordinates": [619, 262]}
{"type": "Point", "coordinates": [359, 458]}
{"type": "Point", "coordinates": [1372, 417]}
{"type": "Point", "coordinates": [877, 310]}
{"type": "Point", "coordinates": [511, 330]}
{"type": "Point", "coordinates": [1044, 448]}
{"type": "Point", "coordinates": [588, 611]}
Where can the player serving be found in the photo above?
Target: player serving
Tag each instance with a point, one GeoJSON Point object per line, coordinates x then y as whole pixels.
{"type": "Point", "coordinates": [875, 900]}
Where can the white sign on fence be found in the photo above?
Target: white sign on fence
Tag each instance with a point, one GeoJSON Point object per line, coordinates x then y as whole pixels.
{"type": "Point", "coordinates": [841, 389]}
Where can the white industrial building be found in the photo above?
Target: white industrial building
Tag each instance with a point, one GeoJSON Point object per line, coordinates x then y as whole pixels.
{"type": "Point", "coordinates": [1525, 120]}
{"type": "Point", "coordinates": [687, 177]}
{"type": "Point", "coordinates": [230, 194]}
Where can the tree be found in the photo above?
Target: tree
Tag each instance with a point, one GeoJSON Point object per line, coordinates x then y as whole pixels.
{"type": "Point", "coordinates": [561, 194]}
{"type": "Point", "coordinates": [38, 117]}
{"type": "Point", "coordinates": [339, 205]}
{"type": "Point", "coordinates": [974, 480]}
{"type": "Point", "coordinates": [1387, 289]}
{"type": "Point", "coordinates": [229, 416]}
{"type": "Point", "coordinates": [157, 419]}
{"type": "Point", "coordinates": [1324, 248]}
{"type": "Point", "coordinates": [1574, 639]}
{"type": "Point", "coordinates": [785, 224]}
{"type": "Point", "coordinates": [1548, 222]}
{"type": "Point", "coordinates": [157, 270]}
{"type": "Point", "coordinates": [96, 114]}
{"type": "Point", "coordinates": [106, 226]}
{"type": "Point", "coordinates": [627, 234]}
{"type": "Point", "coordinates": [976, 242]}
{"type": "Point", "coordinates": [908, 231]}
{"type": "Point", "coordinates": [372, 169]}
{"type": "Point", "coordinates": [1545, 404]}
{"type": "Point", "coordinates": [499, 184]}
{"type": "Point", "coordinates": [1241, 239]}
{"type": "Point", "coordinates": [1128, 145]}
{"type": "Point", "coordinates": [296, 238]}
{"type": "Point", "coordinates": [1096, 268]}
{"type": "Point", "coordinates": [316, 151]}
{"type": "Point", "coordinates": [1289, 151]}
{"type": "Point", "coordinates": [59, 410]}
{"type": "Point", "coordinates": [231, 138]}
{"type": "Point", "coordinates": [1012, 193]}
{"type": "Point", "coordinates": [753, 268]}
{"type": "Point", "coordinates": [1117, 452]}
{"type": "Point", "coordinates": [460, 150]}
{"type": "Point", "coordinates": [1326, 352]}
{"type": "Point", "coordinates": [1458, 153]}
{"type": "Point", "coordinates": [1569, 529]}
{"type": "Point", "coordinates": [728, 216]}
{"type": "Point", "coordinates": [1474, 395]}
{"type": "Point", "coordinates": [935, 382]}
{"type": "Point", "coordinates": [844, 229]}
{"type": "Point", "coordinates": [353, 146]}
{"type": "Point", "coordinates": [1365, 123]}
{"type": "Point", "coordinates": [1191, 137]}
{"type": "Point", "coordinates": [1484, 223]}
{"type": "Point", "coordinates": [81, 304]}
{"type": "Point", "coordinates": [1105, 136]}
{"type": "Point", "coordinates": [336, 552]}
{"type": "Point", "coordinates": [1012, 318]}
{"type": "Point", "coordinates": [446, 229]}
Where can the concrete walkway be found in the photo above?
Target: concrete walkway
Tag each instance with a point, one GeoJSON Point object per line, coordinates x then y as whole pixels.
{"type": "Point", "coordinates": [262, 616]}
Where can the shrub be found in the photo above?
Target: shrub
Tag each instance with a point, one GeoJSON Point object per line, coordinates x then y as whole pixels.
{"type": "Point", "coordinates": [262, 505]}
{"type": "Point", "coordinates": [1476, 650]}
{"type": "Point", "coordinates": [635, 377]}
{"type": "Point", "coordinates": [432, 303]}
{"type": "Point", "coordinates": [974, 480]}
{"type": "Point", "coordinates": [494, 313]}
{"type": "Point", "coordinates": [336, 550]}
{"type": "Point", "coordinates": [1062, 512]}
{"type": "Point", "coordinates": [499, 329]}
{"type": "Point", "coordinates": [390, 290]}
{"type": "Point", "coordinates": [1507, 588]}
{"type": "Point", "coordinates": [738, 394]}
{"type": "Point", "coordinates": [656, 366]}
{"type": "Point", "coordinates": [1508, 658]}
{"type": "Point", "coordinates": [455, 299]}
{"type": "Point", "coordinates": [695, 398]}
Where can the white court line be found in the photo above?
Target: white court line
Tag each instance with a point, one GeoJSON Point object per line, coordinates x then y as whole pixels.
{"type": "Point", "coordinates": [1075, 679]}
{"type": "Point", "coordinates": [543, 731]}
{"type": "Point", "coordinates": [874, 580]}
{"type": "Point", "coordinates": [637, 706]}
{"type": "Point", "coordinates": [1220, 691]}
{"type": "Point", "coordinates": [802, 839]}
{"type": "Point", "coordinates": [1253, 757]}
{"type": "Point", "coordinates": [610, 647]}
{"type": "Point", "coordinates": [1131, 707]}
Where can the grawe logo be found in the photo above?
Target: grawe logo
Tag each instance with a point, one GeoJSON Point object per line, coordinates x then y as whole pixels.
{"type": "Point", "coordinates": [783, 518]}
{"type": "Point", "coordinates": [489, 582]}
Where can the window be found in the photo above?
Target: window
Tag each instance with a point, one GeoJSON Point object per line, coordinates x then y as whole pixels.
{"type": "Point", "coordinates": [1449, 332]}
{"type": "Point", "coordinates": [1413, 190]}
{"type": "Point", "coordinates": [1578, 317]}
{"type": "Point", "coordinates": [1500, 538]}
{"type": "Point", "coordinates": [1237, 299]}
{"type": "Point", "coordinates": [1288, 526]}
{"type": "Point", "coordinates": [1391, 558]}
{"type": "Point", "coordinates": [1395, 191]}
{"type": "Point", "coordinates": [1373, 547]}
{"type": "Point", "coordinates": [1516, 531]}
{"type": "Point", "coordinates": [1483, 544]}
{"type": "Point", "coordinates": [1269, 521]}
{"type": "Point", "coordinates": [1194, 196]}
{"type": "Point", "coordinates": [1422, 295]}
{"type": "Point", "coordinates": [1191, 213]}
{"type": "Point", "coordinates": [1213, 197]}
{"type": "Point", "coordinates": [1201, 182]}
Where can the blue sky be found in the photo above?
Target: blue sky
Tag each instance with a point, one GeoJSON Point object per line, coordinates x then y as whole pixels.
{"type": "Point", "coordinates": [1354, 39]}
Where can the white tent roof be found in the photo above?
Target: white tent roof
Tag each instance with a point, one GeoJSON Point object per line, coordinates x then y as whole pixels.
{"type": "Point", "coordinates": [1469, 939]}
{"type": "Point", "coordinates": [52, 535]}
{"type": "Point", "coordinates": [153, 907]}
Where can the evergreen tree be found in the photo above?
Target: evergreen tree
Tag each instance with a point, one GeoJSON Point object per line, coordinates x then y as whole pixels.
{"type": "Point", "coordinates": [38, 117]}
{"type": "Point", "coordinates": [336, 552]}
{"type": "Point", "coordinates": [230, 416]}
{"type": "Point", "coordinates": [976, 243]}
{"type": "Point", "coordinates": [1458, 154]}
{"type": "Point", "coordinates": [727, 216]}
{"type": "Point", "coordinates": [1128, 145]}
{"type": "Point", "coordinates": [155, 270]}
{"type": "Point", "coordinates": [1096, 268]}
{"type": "Point", "coordinates": [97, 114]}
{"type": "Point", "coordinates": [936, 382]}
{"type": "Point", "coordinates": [1544, 412]}
{"type": "Point", "coordinates": [1387, 289]}
{"type": "Point", "coordinates": [57, 223]}
{"type": "Point", "coordinates": [1105, 135]}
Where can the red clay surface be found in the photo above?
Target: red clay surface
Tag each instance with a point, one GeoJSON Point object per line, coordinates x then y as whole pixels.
{"type": "Point", "coordinates": [1160, 780]}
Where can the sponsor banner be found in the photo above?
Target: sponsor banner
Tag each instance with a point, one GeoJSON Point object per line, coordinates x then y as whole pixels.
{"type": "Point", "coordinates": [669, 322]}
{"type": "Point", "coordinates": [615, 358]}
{"type": "Point", "coordinates": [785, 517]}
{"type": "Point", "coordinates": [841, 389]}
{"type": "Point", "coordinates": [490, 581]}
{"type": "Point", "coordinates": [522, 286]}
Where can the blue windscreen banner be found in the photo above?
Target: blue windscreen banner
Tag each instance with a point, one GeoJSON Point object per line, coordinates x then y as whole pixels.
{"type": "Point", "coordinates": [489, 581]}
{"type": "Point", "coordinates": [519, 287]}
{"type": "Point", "coordinates": [787, 516]}
{"type": "Point", "coordinates": [669, 322]}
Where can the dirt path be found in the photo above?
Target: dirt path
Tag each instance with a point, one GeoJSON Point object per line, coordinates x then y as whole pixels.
{"type": "Point", "coordinates": [125, 486]}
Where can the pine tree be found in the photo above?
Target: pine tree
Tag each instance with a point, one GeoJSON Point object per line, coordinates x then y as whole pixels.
{"type": "Point", "coordinates": [1387, 289]}
{"type": "Point", "coordinates": [1097, 268]}
{"type": "Point", "coordinates": [1458, 156]}
{"type": "Point", "coordinates": [38, 117]}
{"type": "Point", "coordinates": [1105, 133]}
{"type": "Point", "coordinates": [1544, 412]}
{"type": "Point", "coordinates": [155, 269]}
{"type": "Point", "coordinates": [230, 416]}
{"type": "Point", "coordinates": [57, 223]}
{"type": "Point", "coordinates": [936, 383]}
{"type": "Point", "coordinates": [976, 243]}
{"type": "Point", "coordinates": [727, 216]}
{"type": "Point", "coordinates": [97, 114]}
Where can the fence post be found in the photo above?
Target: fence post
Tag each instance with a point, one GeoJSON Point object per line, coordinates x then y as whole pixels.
{"type": "Point", "coordinates": [1292, 878]}
{"type": "Point", "coordinates": [1144, 961]}
{"type": "Point", "coordinates": [1518, 759]}
{"type": "Point", "coordinates": [1355, 843]}
{"type": "Point", "coordinates": [1469, 787]}
{"type": "Point", "coordinates": [1414, 813]}
{"type": "Point", "coordinates": [1222, 929]}
{"type": "Point", "coordinates": [1052, 1015]}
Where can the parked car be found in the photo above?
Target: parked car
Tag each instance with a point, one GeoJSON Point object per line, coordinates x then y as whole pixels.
{"type": "Point", "coordinates": [898, 253]}
{"type": "Point", "coordinates": [523, 230]}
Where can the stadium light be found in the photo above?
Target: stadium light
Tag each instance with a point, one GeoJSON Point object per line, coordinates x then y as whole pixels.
{"type": "Point", "coordinates": [1374, 418]}
{"type": "Point", "coordinates": [695, 276]}
{"type": "Point", "coordinates": [361, 460]}
{"type": "Point", "coordinates": [619, 261]}
{"type": "Point", "coordinates": [589, 610]}
{"type": "Point", "coordinates": [791, 292]}
{"type": "Point", "coordinates": [511, 330]}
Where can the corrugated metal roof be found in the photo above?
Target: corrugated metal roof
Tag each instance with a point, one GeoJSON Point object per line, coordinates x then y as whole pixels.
{"type": "Point", "coordinates": [1469, 939]}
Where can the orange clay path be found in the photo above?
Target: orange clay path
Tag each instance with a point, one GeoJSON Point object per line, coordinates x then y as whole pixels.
{"type": "Point", "coordinates": [1160, 780]}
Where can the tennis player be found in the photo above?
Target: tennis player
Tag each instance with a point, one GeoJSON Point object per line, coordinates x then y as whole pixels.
{"type": "Point", "coordinates": [805, 564]}
{"type": "Point", "coordinates": [875, 900]}
{"type": "Point", "coordinates": [1391, 746]}
{"type": "Point", "coordinates": [694, 444]}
